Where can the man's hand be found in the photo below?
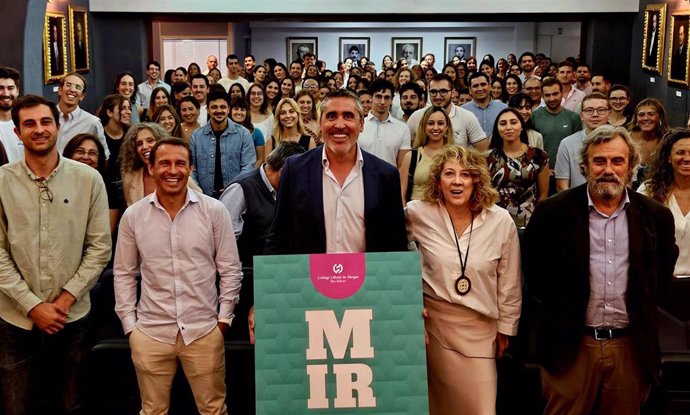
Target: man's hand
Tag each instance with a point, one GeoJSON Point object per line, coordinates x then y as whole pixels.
{"type": "Point", "coordinates": [65, 301]}
{"type": "Point", "coordinates": [252, 339]}
{"type": "Point", "coordinates": [48, 317]}
{"type": "Point", "coordinates": [223, 327]}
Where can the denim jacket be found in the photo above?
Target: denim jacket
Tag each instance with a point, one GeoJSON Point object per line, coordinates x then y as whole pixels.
{"type": "Point", "coordinates": [236, 149]}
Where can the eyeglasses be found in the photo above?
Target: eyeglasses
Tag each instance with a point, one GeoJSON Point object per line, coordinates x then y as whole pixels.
{"type": "Point", "coordinates": [532, 88]}
{"type": "Point", "coordinates": [600, 110]}
{"type": "Point", "coordinates": [256, 94]}
{"type": "Point", "coordinates": [523, 107]}
{"type": "Point", "coordinates": [70, 85]}
{"type": "Point", "coordinates": [46, 194]}
{"type": "Point", "coordinates": [435, 92]}
{"type": "Point", "coordinates": [612, 99]}
{"type": "Point", "coordinates": [80, 152]}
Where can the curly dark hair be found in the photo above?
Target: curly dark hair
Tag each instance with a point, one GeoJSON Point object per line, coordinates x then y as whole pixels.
{"type": "Point", "coordinates": [660, 175]}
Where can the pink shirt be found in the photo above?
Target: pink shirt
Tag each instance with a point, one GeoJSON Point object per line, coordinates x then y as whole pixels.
{"type": "Point", "coordinates": [177, 260]}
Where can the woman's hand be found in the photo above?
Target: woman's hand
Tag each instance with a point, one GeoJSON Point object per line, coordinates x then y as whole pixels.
{"type": "Point", "coordinates": [425, 314]}
{"type": "Point", "coordinates": [501, 345]}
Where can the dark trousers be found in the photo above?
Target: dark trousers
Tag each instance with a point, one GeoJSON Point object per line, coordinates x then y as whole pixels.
{"type": "Point", "coordinates": [35, 366]}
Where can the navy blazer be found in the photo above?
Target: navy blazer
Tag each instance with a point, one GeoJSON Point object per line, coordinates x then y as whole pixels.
{"type": "Point", "coordinates": [557, 274]}
{"type": "Point", "coordinates": [298, 225]}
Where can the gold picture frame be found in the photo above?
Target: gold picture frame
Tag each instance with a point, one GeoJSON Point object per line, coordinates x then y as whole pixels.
{"type": "Point", "coordinates": [678, 48]}
{"type": "Point", "coordinates": [653, 41]}
{"type": "Point", "coordinates": [54, 47]}
{"type": "Point", "coordinates": [79, 39]}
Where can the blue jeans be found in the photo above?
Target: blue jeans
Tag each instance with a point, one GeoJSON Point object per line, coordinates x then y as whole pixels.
{"type": "Point", "coordinates": [35, 365]}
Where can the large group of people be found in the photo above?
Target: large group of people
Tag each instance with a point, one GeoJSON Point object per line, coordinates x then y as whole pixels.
{"type": "Point", "coordinates": [190, 174]}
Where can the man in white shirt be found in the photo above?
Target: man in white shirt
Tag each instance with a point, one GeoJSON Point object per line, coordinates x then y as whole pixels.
{"type": "Point", "coordinates": [466, 128]}
{"type": "Point", "coordinates": [9, 91]}
{"type": "Point", "coordinates": [73, 119]}
{"type": "Point", "coordinates": [233, 64]}
{"type": "Point", "coordinates": [384, 136]}
{"type": "Point", "coordinates": [200, 92]}
{"type": "Point", "coordinates": [144, 89]}
{"type": "Point", "coordinates": [211, 63]}
{"type": "Point", "coordinates": [181, 313]}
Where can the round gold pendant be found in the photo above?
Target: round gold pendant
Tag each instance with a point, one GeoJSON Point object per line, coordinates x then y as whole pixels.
{"type": "Point", "coordinates": [463, 285]}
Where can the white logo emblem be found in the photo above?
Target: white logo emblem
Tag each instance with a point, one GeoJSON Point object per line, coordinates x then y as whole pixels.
{"type": "Point", "coordinates": [338, 268]}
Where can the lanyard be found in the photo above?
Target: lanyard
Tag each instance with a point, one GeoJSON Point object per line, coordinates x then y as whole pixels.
{"type": "Point", "coordinates": [463, 265]}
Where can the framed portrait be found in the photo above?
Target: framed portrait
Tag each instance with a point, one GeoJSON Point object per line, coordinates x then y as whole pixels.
{"type": "Point", "coordinates": [54, 46]}
{"type": "Point", "coordinates": [462, 47]}
{"type": "Point", "coordinates": [678, 48]}
{"type": "Point", "coordinates": [354, 48]}
{"type": "Point", "coordinates": [79, 39]}
{"type": "Point", "coordinates": [409, 48]}
{"type": "Point", "coordinates": [297, 47]}
{"type": "Point", "coordinates": [653, 42]}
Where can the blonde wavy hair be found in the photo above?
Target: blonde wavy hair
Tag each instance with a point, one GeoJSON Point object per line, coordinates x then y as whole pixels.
{"type": "Point", "coordinates": [129, 159]}
{"type": "Point", "coordinates": [483, 195]}
{"type": "Point", "coordinates": [277, 127]}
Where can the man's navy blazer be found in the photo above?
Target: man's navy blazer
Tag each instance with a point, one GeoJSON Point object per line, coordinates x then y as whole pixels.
{"type": "Point", "coordinates": [298, 225]}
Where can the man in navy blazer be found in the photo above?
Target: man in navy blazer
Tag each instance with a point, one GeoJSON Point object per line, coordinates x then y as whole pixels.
{"type": "Point", "coordinates": [336, 197]}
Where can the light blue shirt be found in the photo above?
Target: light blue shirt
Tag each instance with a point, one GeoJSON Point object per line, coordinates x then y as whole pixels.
{"type": "Point", "coordinates": [486, 116]}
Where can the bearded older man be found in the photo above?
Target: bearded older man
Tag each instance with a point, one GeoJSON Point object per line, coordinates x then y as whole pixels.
{"type": "Point", "coordinates": [596, 281]}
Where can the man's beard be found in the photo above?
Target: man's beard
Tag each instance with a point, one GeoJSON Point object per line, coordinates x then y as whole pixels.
{"type": "Point", "coordinates": [4, 107]}
{"type": "Point", "coordinates": [606, 186]}
{"type": "Point", "coordinates": [409, 111]}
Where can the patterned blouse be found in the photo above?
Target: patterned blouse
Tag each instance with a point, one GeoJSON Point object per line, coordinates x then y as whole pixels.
{"type": "Point", "coordinates": [516, 181]}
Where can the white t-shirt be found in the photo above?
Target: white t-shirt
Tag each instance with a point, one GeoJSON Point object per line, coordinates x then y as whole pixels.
{"type": "Point", "coordinates": [12, 144]}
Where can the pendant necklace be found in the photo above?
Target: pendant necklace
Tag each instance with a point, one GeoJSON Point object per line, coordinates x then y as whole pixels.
{"type": "Point", "coordinates": [463, 285]}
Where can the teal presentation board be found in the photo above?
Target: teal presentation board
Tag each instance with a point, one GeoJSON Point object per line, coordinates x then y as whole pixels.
{"type": "Point", "coordinates": [340, 334]}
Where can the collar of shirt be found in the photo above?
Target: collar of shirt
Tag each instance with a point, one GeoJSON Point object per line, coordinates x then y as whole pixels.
{"type": "Point", "coordinates": [70, 115]}
{"type": "Point", "coordinates": [624, 204]}
{"type": "Point", "coordinates": [264, 178]}
{"type": "Point", "coordinates": [326, 164]}
{"type": "Point", "coordinates": [453, 111]}
{"type": "Point", "coordinates": [32, 175]}
{"type": "Point", "coordinates": [479, 107]}
{"type": "Point", "coordinates": [231, 128]}
{"type": "Point", "coordinates": [372, 117]}
{"type": "Point", "coordinates": [191, 197]}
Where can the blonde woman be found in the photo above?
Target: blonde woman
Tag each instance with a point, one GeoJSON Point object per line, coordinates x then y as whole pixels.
{"type": "Point", "coordinates": [310, 119]}
{"type": "Point", "coordinates": [471, 281]}
{"type": "Point", "coordinates": [434, 132]}
{"type": "Point", "coordinates": [287, 126]}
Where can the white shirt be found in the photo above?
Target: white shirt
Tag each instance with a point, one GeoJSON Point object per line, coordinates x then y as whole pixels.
{"type": "Point", "coordinates": [343, 208]}
{"type": "Point", "coordinates": [12, 144]}
{"type": "Point", "coordinates": [493, 261]}
{"type": "Point", "coordinates": [234, 200]}
{"type": "Point", "coordinates": [177, 260]}
{"type": "Point", "coordinates": [682, 225]}
{"type": "Point", "coordinates": [384, 138]}
{"type": "Point", "coordinates": [466, 127]}
{"type": "Point", "coordinates": [144, 91]}
{"type": "Point", "coordinates": [203, 116]}
{"type": "Point", "coordinates": [78, 122]}
{"type": "Point", "coordinates": [573, 100]}
{"type": "Point", "coordinates": [227, 83]}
